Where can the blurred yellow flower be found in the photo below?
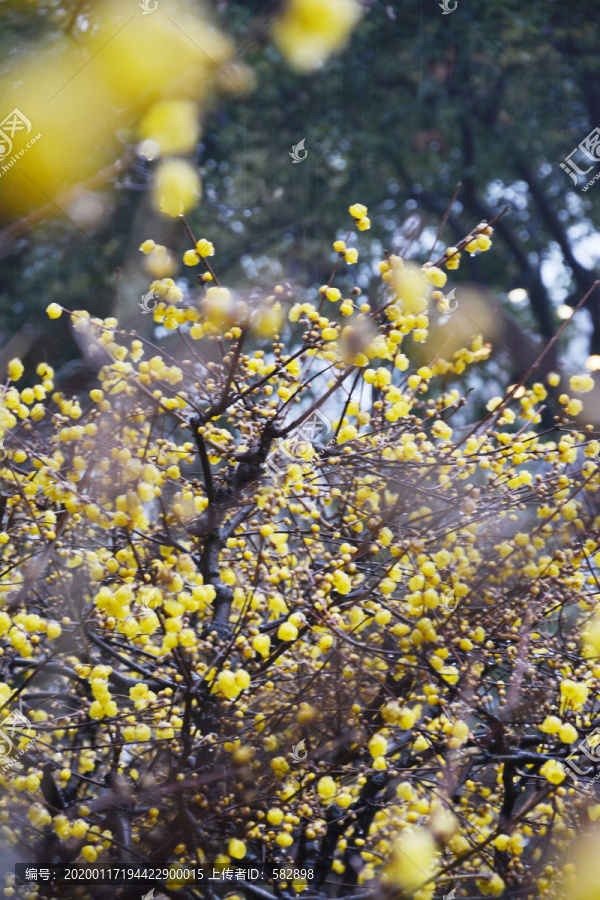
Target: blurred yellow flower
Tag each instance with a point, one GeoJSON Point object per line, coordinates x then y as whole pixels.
{"type": "Point", "coordinates": [413, 859]}
{"type": "Point", "coordinates": [177, 187]}
{"type": "Point", "coordinates": [309, 31]}
{"type": "Point", "coordinates": [173, 124]}
{"type": "Point", "coordinates": [581, 383]}
{"type": "Point", "coordinates": [159, 71]}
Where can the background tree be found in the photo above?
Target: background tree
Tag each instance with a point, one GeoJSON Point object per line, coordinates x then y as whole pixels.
{"type": "Point", "coordinates": [496, 97]}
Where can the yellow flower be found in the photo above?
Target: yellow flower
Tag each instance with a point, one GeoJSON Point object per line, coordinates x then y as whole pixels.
{"type": "Point", "coordinates": [228, 685]}
{"type": "Point", "coordinates": [242, 679]}
{"type": "Point", "coordinates": [177, 187]}
{"type": "Point", "coordinates": [435, 275]}
{"type": "Point", "coordinates": [326, 787]}
{"type": "Point", "coordinates": [309, 31]}
{"type": "Point", "coordinates": [205, 248]}
{"type": "Point", "coordinates": [449, 674]}
{"type": "Point", "coordinates": [591, 636]}
{"type": "Point", "coordinates": [442, 430]}
{"type": "Point", "coordinates": [54, 310]}
{"type": "Point", "coordinates": [574, 691]}
{"type": "Point", "coordinates": [386, 536]}
{"type": "Point", "coordinates": [262, 644]}
{"type": "Point", "coordinates": [493, 885]}
{"type": "Point", "coordinates": [553, 771]}
{"type": "Point", "coordinates": [267, 321]}
{"type": "Point", "coordinates": [460, 730]}
{"type": "Point", "coordinates": [284, 839]}
{"type": "Point", "coordinates": [191, 258]}
{"type": "Point", "coordinates": [173, 125]}
{"type": "Point", "coordinates": [550, 725]}
{"type": "Point", "coordinates": [413, 859]}
{"type": "Point", "coordinates": [410, 285]}
{"type": "Point", "coordinates": [275, 816]}
{"type": "Point", "coordinates": [341, 582]}
{"type": "Point", "coordinates": [567, 733]}
{"type": "Point", "coordinates": [287, 631]}
{"type": "Point", "coordinates": [351, 255]}
{"type": "Point", "coordinates": [329, 334]}
{"type": "Point", "coordinates": [358, 211]}
{"type": "Point", "coordinates": [236, 848]}
{"type": "Point", "coordinates": [15, 369]}
{"type": "Point", "coordinates": [378, 745]}
{"type": "Point", "coordinates": [501, 842]}
{"type": "Point", "coordinates": [280, 766]}
{"type": "Point", "coordinates": [581, 383]}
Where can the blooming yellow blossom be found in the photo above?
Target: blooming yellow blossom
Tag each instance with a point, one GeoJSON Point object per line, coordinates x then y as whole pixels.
{"type": "Point", "coordinates": [581, 383]}
{"type": "Point", "coordinates": [15, 369]}
{"type": "Point", "coordinates": [553, 771]}
{"type": "Point", "coordinates": [236, 848]}
{"type": "Point", "coordinates": [358, 211]}
{"type": "Point", "coordinates": [327, 787]}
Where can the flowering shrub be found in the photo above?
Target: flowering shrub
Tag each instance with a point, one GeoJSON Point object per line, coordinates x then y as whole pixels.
{"type": "Point", "coordinates": [309, 610]}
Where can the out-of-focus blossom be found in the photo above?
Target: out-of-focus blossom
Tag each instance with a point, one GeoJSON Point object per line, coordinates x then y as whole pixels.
{"type": "Point", "coordinates": [177, 187]}
{"type": "Point", "coordinates": [309, 31]}
{"type": "Point", "coordinates": [144, 75]}
{"type": "Point", "coordinates": [173, 124]}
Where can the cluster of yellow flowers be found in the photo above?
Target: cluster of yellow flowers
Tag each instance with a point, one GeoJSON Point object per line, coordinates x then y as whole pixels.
{"type": "Point", "coordinates": [313, 607]}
